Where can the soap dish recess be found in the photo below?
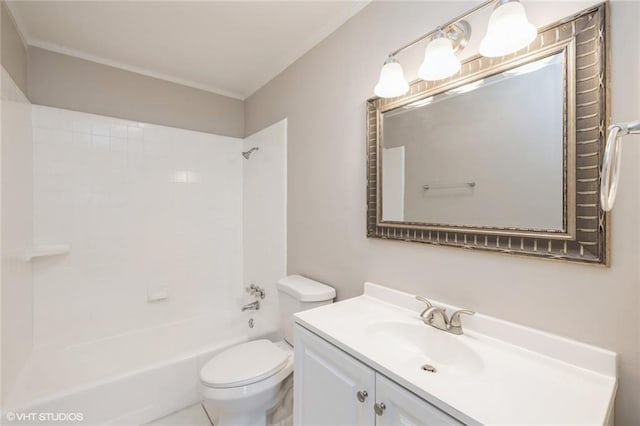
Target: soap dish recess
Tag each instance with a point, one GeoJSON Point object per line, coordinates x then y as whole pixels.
{"type": "Point", "coordinates": [46, 250]}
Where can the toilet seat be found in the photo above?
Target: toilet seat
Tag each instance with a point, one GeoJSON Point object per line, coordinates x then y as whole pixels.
{"type": "Point", "coordinates": [244, 364]}
{"type": "Point", "coordinates": [255, 388]}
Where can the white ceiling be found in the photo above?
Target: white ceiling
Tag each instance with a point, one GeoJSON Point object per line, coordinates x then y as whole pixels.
{"type": "Point", "coordinates": [232, 47]}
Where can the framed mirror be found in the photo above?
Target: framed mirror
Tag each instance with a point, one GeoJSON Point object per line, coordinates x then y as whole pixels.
{"type": "Point", "coordinates": [503, 156]}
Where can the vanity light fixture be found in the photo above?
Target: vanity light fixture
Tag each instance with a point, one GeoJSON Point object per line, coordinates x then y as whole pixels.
{"type": "Point", "coordinates": [509, 30]}
{"type": "Point", "coordinates": [392, 82]}
{"type": "Point", "coordinates": [440, 61]}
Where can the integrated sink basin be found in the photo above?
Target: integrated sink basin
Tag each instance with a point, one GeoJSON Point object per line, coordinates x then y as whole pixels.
{"type": "Point", "coordinates": [496, 372]}
{"type": "Point", "coordinates": [418, 344]}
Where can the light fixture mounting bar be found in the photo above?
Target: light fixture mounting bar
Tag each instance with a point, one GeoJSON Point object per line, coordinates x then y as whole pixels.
{"type": "Point", "coordinates": [444, 26]}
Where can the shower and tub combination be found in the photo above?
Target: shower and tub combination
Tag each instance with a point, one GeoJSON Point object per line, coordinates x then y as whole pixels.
{"type": "Point", "coordinates": [144, 238]}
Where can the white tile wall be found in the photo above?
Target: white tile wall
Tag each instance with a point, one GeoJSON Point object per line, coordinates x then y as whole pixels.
{"type": "Point", "coordinates": [147, 210]}
{"type": "Point", "coordinates": [265, 215]}
{"type": "Point", "coordinates": [17, 232]}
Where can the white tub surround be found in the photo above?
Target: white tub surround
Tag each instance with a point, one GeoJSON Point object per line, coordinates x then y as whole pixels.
{"type": "Point", "coordinates": [264, 213]}
{"type": "Point", "coordinates": [147, 213]}
{"type": "Point", "coordinates": [16, 190]}
{"type": "Point", "coordinates": [496, 373]}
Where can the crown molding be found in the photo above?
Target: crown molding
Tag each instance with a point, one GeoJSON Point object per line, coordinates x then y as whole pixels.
{"type": "Point", "coordinates": [30, 41]}
{"type": "Point", "coordinates": [138, 70]}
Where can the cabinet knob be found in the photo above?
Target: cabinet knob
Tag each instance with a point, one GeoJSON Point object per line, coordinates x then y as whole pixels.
{"type": "Point", "coordinates": [379, 408]}
{"type": "Point", "coordinates": [362, 395]}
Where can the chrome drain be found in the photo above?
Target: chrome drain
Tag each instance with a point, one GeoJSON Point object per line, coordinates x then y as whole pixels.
{"type": "Point", "coordinates": [429, 368]}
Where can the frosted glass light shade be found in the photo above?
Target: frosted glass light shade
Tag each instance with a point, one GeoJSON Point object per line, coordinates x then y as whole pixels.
{"type": "Point", "coordinates": [440, 61]}
{"type": "Point", "coordinates": [392, 82]}
{"type": "Point", "coordinates": [509, 31]}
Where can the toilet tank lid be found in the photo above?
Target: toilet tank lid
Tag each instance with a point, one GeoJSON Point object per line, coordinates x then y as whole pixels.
{"type": "Point", "coordinates": [305, 289]}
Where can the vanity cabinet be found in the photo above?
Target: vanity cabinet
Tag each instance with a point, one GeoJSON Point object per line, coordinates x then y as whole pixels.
{"type": "Point", "coordinates": [330, 387]}
{"type": "Point", "coordinates": [402, 407]}
{"type": "Point", "coordinates": [333, 388]}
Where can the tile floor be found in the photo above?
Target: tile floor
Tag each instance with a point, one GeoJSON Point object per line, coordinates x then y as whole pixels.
{"type": "Point", "coordinates": [194, 415]}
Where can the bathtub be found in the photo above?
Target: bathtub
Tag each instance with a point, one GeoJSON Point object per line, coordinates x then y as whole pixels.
{"type": "Point", "coordinates": [129, 379]}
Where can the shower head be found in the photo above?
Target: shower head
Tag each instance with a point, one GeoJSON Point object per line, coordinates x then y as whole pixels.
{"type": "Point", "coordinates": [247, 154]}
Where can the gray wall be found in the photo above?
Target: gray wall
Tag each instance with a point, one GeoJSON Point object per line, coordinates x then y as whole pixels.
{"type": "Point", "coordinates": [14, 53]}
{"type": "Point", "coordinates": [323, 96]}
{"type": "Point", "coordinates": [68, 82]}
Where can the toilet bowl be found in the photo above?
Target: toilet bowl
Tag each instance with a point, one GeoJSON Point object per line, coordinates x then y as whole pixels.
{"type": "Point", "coordinates": [242, 385]}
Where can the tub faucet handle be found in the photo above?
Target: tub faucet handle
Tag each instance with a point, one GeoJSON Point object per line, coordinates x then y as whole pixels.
{"type": "Point", "coordinates": [256, 291]}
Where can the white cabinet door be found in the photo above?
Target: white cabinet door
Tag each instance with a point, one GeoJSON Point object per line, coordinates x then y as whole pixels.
{"type": "Point", "coordinates": [327, 382]}
{"type": "Point", "coordinates": [403, 408]}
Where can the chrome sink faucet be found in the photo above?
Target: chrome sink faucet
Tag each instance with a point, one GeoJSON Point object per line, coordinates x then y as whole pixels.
{"type": "Point", "coordinates": [436, 316]}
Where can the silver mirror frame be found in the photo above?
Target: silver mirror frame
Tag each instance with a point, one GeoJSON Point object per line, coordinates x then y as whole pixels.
{"type": "Point", "coordinates": [585, 233]}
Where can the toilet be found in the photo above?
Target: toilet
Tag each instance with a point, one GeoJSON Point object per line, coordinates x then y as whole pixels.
{"type": "Point", "coordinates": [244, 384]}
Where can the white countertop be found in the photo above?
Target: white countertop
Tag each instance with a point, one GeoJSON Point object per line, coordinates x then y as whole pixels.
{"type": "Point", "coordinates": [512, 374]}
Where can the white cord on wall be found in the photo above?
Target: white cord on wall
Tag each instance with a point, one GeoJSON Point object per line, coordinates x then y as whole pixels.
{"type": "Point", "coordinates": [611, 161]}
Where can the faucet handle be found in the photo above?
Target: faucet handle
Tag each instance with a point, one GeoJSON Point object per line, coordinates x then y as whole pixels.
{"type": "Point", "coordinates": [256, 291]}
{"type": "Point", "coordinates": [424, 300]}
{"type": "Point", "coordinates": [454, 321]}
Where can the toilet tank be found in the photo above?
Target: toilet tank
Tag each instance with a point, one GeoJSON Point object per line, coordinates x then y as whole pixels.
{"type": "Point", "coordinates": [297, 293]}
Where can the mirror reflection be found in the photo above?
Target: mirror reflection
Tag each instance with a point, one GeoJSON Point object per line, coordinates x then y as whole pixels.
{"type": "Point", "coordinates": [486, 154]}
